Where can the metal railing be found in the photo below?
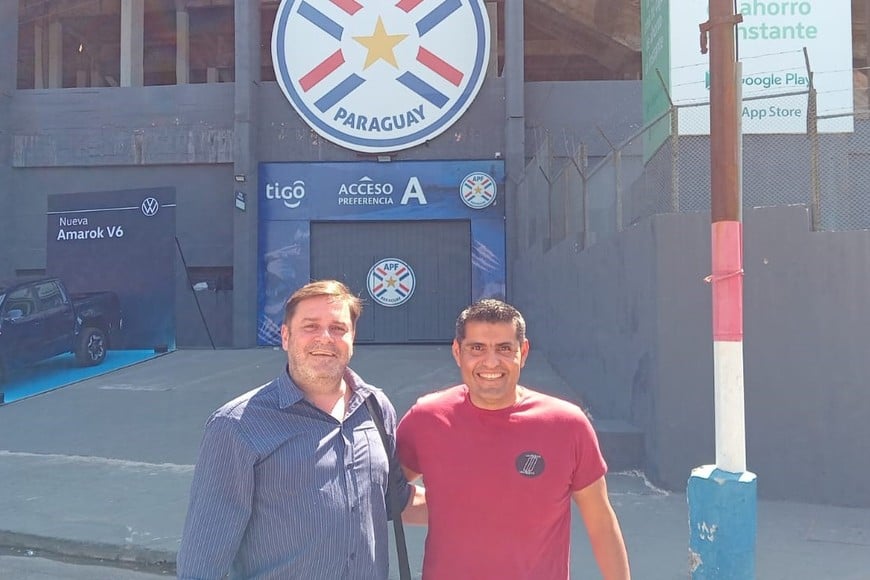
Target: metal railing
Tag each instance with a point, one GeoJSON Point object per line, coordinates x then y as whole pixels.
{"type": "Point", "coordinates": [589, 199]}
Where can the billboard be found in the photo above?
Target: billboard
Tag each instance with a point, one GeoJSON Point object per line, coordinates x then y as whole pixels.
{"type": "Point", "coordinates": [655, 56]}
{"type": "Point", "coordinates": [770, 45]}
{"type": "Point", "coordinates": [123, 241]}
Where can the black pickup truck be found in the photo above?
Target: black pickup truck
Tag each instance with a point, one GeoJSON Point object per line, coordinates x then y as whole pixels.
{"type": "Point", "coordinates": [40, 319]}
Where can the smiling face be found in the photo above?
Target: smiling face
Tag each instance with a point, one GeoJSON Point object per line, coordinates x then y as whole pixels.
{"type": "Point", "coordinates": [318, 339]}
{"type": "Point", "coordinates": [490, 357]}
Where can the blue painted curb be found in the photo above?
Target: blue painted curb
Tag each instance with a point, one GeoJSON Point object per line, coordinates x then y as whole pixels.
{"type": "Point", "coordinates": [62, 371]}
{"type": "Point", "coordinates": [722, 524]}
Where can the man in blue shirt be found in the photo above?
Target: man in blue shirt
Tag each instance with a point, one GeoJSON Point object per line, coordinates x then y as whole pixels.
{"type": "Point", "coordinates": [291, 478]}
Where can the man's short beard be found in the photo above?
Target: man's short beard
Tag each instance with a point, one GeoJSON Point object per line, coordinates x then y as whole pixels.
{"type": "Point", "coordinates": [303, 373]}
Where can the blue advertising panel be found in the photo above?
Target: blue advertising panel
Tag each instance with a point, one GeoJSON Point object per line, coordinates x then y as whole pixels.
{"type": "Point", "coordinates": [122, 241]}
{"type": "Point", "coordinates": [292, 195]}
{"type": "Point", "coordinates": [285, 247]}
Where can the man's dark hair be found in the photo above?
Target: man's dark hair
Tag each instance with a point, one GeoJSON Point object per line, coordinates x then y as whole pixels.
{"type": "Point", "coordinates": [492, 311]}
{"type": "Point", "coordinates": [332, 288]}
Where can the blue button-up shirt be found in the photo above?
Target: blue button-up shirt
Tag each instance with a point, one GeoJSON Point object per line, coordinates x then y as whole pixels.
{"type": "Point", "coordinates": [285, 491]}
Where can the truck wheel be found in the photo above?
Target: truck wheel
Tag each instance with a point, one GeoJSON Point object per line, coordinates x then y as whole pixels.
{"type": "Point", "coordinates": [92, 347]}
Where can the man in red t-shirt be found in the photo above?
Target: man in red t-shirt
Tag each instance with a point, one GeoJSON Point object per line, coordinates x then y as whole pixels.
{"type": "Point", "coordinates": [502, 463]}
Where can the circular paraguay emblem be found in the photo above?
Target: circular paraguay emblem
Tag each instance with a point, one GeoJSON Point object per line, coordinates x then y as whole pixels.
{"type": "Point", "coordinates": [391, 282]}
{"type": "Point", "coordinates": [380, 76]}
{"type": "Point", "coordinates": [478, 190]}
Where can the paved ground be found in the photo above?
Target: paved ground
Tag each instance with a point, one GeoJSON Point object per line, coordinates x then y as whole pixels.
{"type": "Point", "coordinates": [98, 473]}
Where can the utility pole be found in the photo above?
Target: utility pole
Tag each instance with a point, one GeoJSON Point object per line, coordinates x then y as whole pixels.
{"type": "Point", "coordinates": [722, 497]}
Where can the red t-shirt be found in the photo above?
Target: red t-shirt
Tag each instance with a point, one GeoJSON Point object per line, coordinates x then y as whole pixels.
{"type": "Point", "coordinates": [498, 483]}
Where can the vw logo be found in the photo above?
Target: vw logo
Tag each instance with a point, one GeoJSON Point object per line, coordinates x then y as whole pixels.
{"type": "Point", "coordinates": [150, 206]}
{"type": "Point", "coordinates": [478, 190]}
{"type": "Point", "coordinates": [376, 76]}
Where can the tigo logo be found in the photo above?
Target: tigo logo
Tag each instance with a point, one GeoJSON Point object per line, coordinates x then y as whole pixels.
{"type": "Point", "coordinates": [291, 195]}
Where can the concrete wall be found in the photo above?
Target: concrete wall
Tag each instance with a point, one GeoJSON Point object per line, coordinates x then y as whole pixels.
{"type": "Point", "coordinates": [102, 127]}
{"type": "Point", "coordinates": [284, 136]}
{"type": "Point", "coordinates": [806, 357]}
{"type": "Point", "coordinates": [74, 140]}
{"type": "Point", "coordinates": [632, 331]}
{"type": "Point", "coordinates": [573, 112]}
{"type": "Point", "coordinates": [8, 63]}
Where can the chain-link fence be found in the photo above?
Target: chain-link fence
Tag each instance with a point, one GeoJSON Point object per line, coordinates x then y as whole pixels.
{"type": "Point", "coordinates": [659, 170]}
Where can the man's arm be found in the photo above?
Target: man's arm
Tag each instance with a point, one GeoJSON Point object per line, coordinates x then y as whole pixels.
{"type": "Point", "coordinates": [416, 512]}
{"type": "Point", "coordinates": [220, 504]}
{"type": "Point", "coordinates": [603, 530]}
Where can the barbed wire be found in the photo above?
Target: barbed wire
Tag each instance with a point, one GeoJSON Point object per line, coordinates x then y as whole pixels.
{"type": "Point", "coordinates": [743, 58]}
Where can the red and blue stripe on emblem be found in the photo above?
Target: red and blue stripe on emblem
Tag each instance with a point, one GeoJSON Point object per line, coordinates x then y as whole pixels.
{"type": "Point", "coordinates": [411, 81]}
{"type": "Point", "coordinates": [428, 58]}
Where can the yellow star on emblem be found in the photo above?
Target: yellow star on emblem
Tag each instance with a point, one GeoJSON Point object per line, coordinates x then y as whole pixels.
{"type": "Point", "coordinates": [380, 45]}
{"type": "Point", "coordinates": [391, 282]}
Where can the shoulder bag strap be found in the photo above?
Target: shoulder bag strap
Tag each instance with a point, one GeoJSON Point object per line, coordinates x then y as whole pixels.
{"type": "Point", "coordinates": [392, 491]}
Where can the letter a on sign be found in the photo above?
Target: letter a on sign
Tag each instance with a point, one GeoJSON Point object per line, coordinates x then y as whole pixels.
{"type": "Point", "coordinates": [414, 191]}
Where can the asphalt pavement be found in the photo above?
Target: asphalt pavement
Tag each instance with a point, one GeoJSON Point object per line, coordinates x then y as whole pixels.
{"type": "Point", "coordinates": [94, 477]}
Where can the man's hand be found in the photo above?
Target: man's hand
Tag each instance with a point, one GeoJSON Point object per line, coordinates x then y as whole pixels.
{"type": "Point", "coordinates": [416, 512]}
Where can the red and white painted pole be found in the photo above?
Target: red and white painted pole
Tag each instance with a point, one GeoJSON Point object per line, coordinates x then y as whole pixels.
{"type": "Point", "coordinates": [722, 497]}
{"type": "Point", "coordinates": [727, 283]}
